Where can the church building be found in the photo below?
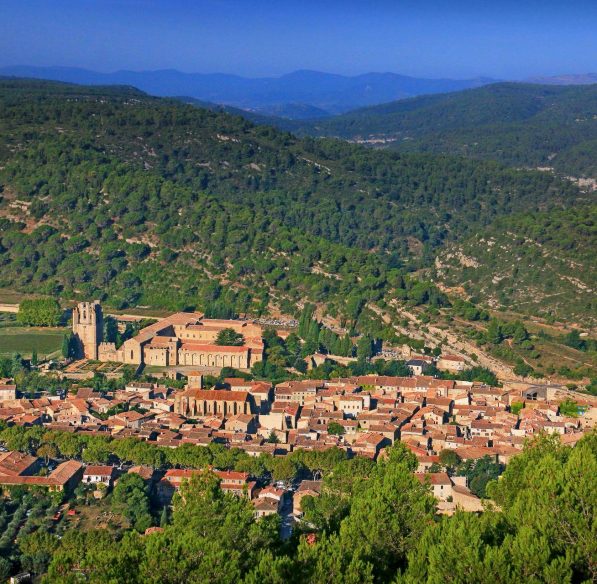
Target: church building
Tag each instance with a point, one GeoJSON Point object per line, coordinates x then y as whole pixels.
{"type": "Point", "coordinates": [184, 338]}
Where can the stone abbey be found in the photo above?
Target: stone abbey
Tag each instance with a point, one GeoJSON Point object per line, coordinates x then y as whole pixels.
{"type": "Point", "coordinates": [88, 326]}
{"type": "Point", "coordinates": [183, 338]}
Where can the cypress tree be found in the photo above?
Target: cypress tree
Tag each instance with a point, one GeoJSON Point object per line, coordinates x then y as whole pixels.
{"type": "Point", "coordinates": [66, 345]}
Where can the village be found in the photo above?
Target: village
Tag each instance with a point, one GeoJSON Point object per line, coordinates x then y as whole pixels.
{"type": "Point", "coordinates": [298, 293]}
{"type": "Point", "coordinates": [438, 420]}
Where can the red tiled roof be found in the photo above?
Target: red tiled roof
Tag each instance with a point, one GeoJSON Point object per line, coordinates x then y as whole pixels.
{"type": "Point", "coordinates": [434, 478]}
{"type": "Point", "coordinates": [227, 475]}
{"type": "Point", "coordinates": [213, 348]}
{"type": "Point", "coordinates": [14, 463]}
{"type": "Point", "coordinates": [370, 439]}
{"type": "Point", "coordinates": [217, 394]}
{"type": "Point", "coordinates": [99, 470]}
{"type": "Point", "coordinates": [131, 416]}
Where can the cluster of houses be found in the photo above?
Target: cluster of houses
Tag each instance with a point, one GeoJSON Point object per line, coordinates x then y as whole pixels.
{"type": "Point", "coordinates": [362, 415]}
{"type": "Point", "coordinates": [18, 469]}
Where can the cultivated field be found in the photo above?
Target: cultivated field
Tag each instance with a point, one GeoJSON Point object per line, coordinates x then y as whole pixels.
{"type": "Point", "coordinates": [24, 340]}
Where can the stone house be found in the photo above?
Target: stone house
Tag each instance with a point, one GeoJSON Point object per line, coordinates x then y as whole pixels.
{"type": "Point", "coordinates": [96, 474]}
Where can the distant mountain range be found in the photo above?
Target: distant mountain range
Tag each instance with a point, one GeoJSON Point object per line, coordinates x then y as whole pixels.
{"type": "Point", "coordinates": [583, 79]}
{"type": "Point", "coordinates": [298, 95]}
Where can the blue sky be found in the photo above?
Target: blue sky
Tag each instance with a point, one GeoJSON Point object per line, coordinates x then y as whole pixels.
{"type": "Point", "coordinates": [428, 38]}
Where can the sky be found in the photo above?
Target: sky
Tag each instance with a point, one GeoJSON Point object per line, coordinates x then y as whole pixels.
{"type": "Point", "coordinates": [503, 39]}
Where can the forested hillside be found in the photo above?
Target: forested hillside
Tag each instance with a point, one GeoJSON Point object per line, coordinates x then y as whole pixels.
{"type": "Point", "coordinates": [534, 263]}
{"type": "Point", "coordinates": [104, 188]}
{"type": "Point", "coordinates": [518, 124]}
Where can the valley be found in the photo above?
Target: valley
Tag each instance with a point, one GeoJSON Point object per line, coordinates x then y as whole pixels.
{"type": "Point", "coordinates": [260, 222]}
{"type": "Point", "coordinates": [298, 292]}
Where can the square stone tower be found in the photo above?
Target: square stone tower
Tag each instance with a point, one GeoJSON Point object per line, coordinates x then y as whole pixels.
{"type": "Point", "coordinates": [88, 326]}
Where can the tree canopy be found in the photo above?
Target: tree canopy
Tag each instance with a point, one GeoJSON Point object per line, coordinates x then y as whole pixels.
{"type": "Point", "coordinates": [229, 337]}
{"type": "Point", "coordinates": [39, 312]}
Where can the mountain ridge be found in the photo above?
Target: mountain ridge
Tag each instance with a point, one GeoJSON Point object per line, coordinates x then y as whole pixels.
{"type": "Point", "coordinates": [518, 124]}
{"type": "Point", "coordinates": [565, 79]}
{"type": "Point", "coordinates": [332, 93]}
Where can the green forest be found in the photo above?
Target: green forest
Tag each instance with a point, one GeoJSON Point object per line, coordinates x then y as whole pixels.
{"type": "Point", "coordinates": [519, 124]}
{"type": "Point", "coordinates": [108, 193]}
{"type": "Point", "coordinates": [534, 263]}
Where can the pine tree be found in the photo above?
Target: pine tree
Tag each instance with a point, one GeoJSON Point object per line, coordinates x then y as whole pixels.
{"type": "Point", "coordinates": [388, 515]}
{"type": "Point", "coordinates": [273, 438]}
{"type": "Point", "coordinates": [18, 365]}
{"type": "Point", "coordinates": [313, 334]}
{"type": "Point", "coordinates": [494, 332]}
{"type": "Point", "coordinates": [520, 333]}
{"type": "Point", "coordinates": [347, 347]}
{"type": "Point", "coordinates": [229, 337]}
{"type": "Point", "coordinates": [364, 348]}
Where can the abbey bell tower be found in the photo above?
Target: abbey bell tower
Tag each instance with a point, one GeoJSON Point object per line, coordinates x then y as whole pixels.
{"type": "Point", "coordinates": [88, 326]}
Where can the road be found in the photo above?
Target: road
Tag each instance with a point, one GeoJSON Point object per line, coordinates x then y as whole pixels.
{"type": "Point", "coordinates": [287, 516]}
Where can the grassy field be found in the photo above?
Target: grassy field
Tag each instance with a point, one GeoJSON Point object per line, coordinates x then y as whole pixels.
{"type": "Point", "coordinates": [25, 339]}
{"type": "Point", "coordinates": [154, 370]}
{"type": "Point", "coordinates": [11, 297]}
{"type": "Point", "coordinates": [96, 515]}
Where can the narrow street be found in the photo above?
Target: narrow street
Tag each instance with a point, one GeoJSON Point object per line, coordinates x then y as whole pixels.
{"type": "Point", "coordinates": [287, 517]}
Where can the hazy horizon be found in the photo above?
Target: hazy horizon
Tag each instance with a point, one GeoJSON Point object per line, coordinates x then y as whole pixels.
{"type": "Point", "coordinates": [434, 39]}
{"type": "Point", "coordinates": [265, 76]}
{"type": "Point", "coordinates": [283, 74]}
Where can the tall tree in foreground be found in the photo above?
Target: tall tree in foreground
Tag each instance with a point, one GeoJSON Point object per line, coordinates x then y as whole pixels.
{"type": "Point", "coordinates": [130, 497]}
{"type": "Point", "coordinates": [374, 522]}
{"type": "Point", "coordinates": [213, 537]}
{"type": "Point", "coordinates": [545, 531]}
